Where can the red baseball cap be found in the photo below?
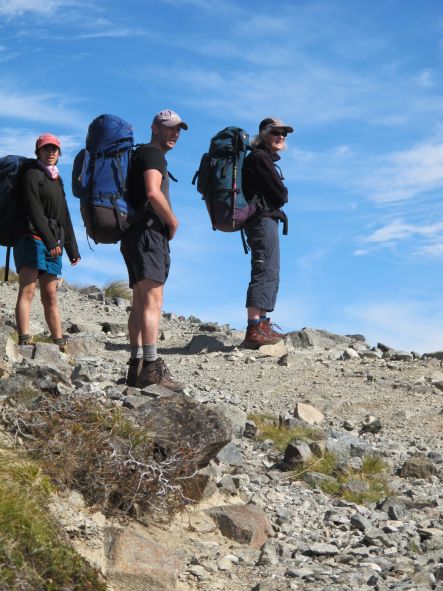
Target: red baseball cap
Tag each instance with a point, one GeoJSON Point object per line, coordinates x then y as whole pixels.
{"type": "Point", "coordinates": [45, 139]}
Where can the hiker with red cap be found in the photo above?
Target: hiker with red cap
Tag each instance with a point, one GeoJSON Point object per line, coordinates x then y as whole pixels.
{"type": "Point", "coordinates": [46, 229]}
{"type": "Point", "coordinates": [145, 249]}
{"type": "Point", "coordinates": [263, 185]}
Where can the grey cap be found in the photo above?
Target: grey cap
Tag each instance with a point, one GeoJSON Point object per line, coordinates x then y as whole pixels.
{"type": "Point", "coordinates": [169, 118]}
{"type": "Point", "coordinates": [274, 122]}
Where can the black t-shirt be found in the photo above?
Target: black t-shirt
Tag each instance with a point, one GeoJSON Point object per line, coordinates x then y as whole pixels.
{"type": "Point", "coordinates": [147, 157]}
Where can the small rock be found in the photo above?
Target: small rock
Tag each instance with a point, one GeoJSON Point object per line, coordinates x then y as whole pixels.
{"type": "Point", "coordinates": [308, 414]}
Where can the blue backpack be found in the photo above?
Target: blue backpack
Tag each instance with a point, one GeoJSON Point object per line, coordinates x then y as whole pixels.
{"type": "Point", "coordinates": [11, 168]}
{"type": "Point", "coordinates": [99, 178]}
{"type": "Point", "coordinates": [219, 180]}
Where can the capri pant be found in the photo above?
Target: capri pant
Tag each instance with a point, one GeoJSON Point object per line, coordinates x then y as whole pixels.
{"type": "Point", "coordinates": [263, 240]}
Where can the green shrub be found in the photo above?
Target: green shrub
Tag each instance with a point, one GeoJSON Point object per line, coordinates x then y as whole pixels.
{"type": "Point", "coordinates": [269, 428]}
{"type": "Point", "coordinates": [373, 475]}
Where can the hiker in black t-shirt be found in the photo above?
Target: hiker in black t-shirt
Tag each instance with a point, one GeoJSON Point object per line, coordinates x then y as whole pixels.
{"type": "Point", "coordinates": [45, 230]}
{"type": "Point", "coordinates": [145, 249]}
{"type": "Point", "coordinates": [263, 183]}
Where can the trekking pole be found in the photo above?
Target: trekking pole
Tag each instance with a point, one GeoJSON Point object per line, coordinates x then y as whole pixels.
{"type": "Point", "coordinates": [8, 256]}
{"type": "Point", "coordinates": [234, 180]}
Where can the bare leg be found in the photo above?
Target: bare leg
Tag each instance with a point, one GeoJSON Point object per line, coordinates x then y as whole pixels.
{"type": "Point", "coordinates": [254, 313]}
{"type": "Point", "coordinates": [48, 294]}
{"type": "Point", "coordinates": [144, 318]}
{"type": "Point", "coordinates": [27, 284]}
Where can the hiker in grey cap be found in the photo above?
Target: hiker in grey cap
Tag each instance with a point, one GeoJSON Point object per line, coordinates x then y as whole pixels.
{"type": "Point", "coordinates": [263, 184]}
{"type": "Point", "coordinates": [145, 249]}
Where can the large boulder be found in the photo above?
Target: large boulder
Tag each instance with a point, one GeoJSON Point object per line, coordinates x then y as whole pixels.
{"type": "Point", "coordinates": [312, 338]}
{"type": "Point", "coordinates": [246, 524]}
{"type": "Point", "coordinates": [40, 373]}
{"type": "Point", "coordinates": [180, 422]}
{"type": "Point", "coordinates": [209, 343]}
{"type": "Point", "coordinates": [233, 414]}
{"type": "Point", "coordinates": [137, 562]}
{"type": "Point", "coordinates": [434, 355]}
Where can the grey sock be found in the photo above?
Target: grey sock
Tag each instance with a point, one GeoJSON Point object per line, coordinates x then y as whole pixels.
{"type": "Point", "coordinates": [136, 352]}
{"type": "Point", "coordinates": [149, 352]}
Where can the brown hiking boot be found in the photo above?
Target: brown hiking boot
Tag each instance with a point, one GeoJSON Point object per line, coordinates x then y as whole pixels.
{"type": "Point", "coordinates": [134, 369]}
{"type": "Point", "coordinates": [62, 344]}
{"type": "Point", "coordinates": [157, 372]}
{"type": "Point", "coordinates": [258, 335]}
{"type": "Point", "coordinates": [269, 326]}
{"type": "Point", "coordinates": [25, 339]}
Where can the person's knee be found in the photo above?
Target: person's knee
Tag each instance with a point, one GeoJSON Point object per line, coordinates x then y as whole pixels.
{"type": "Point", "coordinates": [26, 294]}
{"type": "Point", "coordinates": [48, 298]}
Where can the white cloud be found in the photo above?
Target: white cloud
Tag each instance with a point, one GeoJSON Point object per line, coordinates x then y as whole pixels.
{"type": "Point", "coordinates": [425, 78]}
{"type": "Point", "coordinates": [398, 230]}
{"type": "Point", "coordinates": [21, 141]}
{"type": "Point", "coordinates": [262, 24]}
{"type": "Point", "coordinates": [334, 166]}
{"type": "Point", "coordinates": [407, 174]}
{"type": "Point", "coordinates": [20, 7]}
{"type": "Point", "coordinates": [47, 108]}
{"type": "Point", "coordinates": [432, 250]}
{"type": "Point", "coordinates": [308, 260]}
{"type": "Point", "coordinates": [407, 325]}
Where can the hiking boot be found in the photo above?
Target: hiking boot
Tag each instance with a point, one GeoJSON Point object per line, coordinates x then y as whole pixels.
{"type": "Point", "coordinates": [258, 335]}
{"type": "Point", "coordinates": [268, 327]}
{"type": "Point", "coordinates": [134, 369]}
{"type": "Point", "coordinates": [25, 339]}
{"type": "Point", "coordinates": [62, 343]}
{"type": "Point", "coordinates": [157, 372]}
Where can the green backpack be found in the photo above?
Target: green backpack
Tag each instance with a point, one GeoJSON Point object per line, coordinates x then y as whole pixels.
{"type": "Point", "coordinates": [219, 180]}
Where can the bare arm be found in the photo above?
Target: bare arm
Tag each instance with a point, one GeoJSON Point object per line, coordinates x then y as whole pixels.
{"type": "Point", "coordinates": [153, 181]}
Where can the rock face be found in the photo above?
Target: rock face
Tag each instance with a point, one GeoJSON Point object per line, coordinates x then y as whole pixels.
{"type": "Point", "coordinates": [177, 421]}
{"type": "Point", "coordinates": [254, 526]}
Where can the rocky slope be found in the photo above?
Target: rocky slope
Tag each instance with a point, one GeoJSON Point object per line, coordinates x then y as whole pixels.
{"type": "Point", "coordinates": [255, 528]}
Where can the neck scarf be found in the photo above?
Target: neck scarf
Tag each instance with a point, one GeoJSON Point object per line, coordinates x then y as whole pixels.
{"type": "Point", "coordinates": [51, 171]}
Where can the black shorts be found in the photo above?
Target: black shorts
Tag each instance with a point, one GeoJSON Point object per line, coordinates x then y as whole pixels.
{"type": "Point", "coordinates": [146, 254]}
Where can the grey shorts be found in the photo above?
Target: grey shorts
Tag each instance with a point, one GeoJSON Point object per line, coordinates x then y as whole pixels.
{"type": "Point", "coordinates": [146, 254]}
{"type": "Point", "coordinates": [263, 240]}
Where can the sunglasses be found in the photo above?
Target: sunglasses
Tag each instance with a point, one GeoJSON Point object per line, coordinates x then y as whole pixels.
{"type": "Point", "coordinates": [278, 132]}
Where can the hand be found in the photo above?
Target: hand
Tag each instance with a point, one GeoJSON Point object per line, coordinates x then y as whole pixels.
{"type": "Point", "coordinates": [75, 261]}
{"type": "Point", "coordinates": [55, 252]}
{"type": "Point", "coordinates": [173, 227]}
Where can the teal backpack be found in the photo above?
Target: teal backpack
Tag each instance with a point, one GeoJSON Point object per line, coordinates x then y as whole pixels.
{"type": "Point", "coordinates": [219, 180]}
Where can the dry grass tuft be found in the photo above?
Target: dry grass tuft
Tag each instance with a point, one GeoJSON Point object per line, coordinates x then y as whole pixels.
{"type": "Point", "coordinates": [13, 277]}
{"type": "Point", "coordinates": [98, 451]}
{"type": "Point", "coordinates": [118, 289]}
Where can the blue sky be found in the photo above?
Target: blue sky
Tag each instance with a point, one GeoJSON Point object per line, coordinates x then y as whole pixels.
{"type": "Point", "coordinates": [362, 85]}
